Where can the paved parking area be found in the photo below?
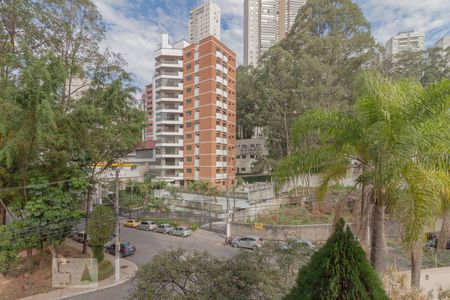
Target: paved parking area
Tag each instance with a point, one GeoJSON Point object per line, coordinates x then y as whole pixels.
{"type": "Point", "coordinates": [149, 244]}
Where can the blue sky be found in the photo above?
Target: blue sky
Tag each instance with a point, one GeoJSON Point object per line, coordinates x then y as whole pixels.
{"type": "Point", "coordinates": [134, 26]}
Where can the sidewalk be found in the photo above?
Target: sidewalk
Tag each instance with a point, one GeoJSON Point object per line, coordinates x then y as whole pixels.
{"type": "Point", "coordinates": [127, 271]}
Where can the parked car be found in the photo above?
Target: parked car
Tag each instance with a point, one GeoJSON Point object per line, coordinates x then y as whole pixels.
{"type": "Point", "coordinates": [299, 243]}
{"type": "Point", "coordinates": [131, 223]}
{"type": "Point", "coordinates": [182, 231]}
{"type": "Point", "coordinates": [147, 225]}
{"type": "Point", "coordinates": [433, 241]}
{"type": "Point", "coordinates": [79, 236]}
{"type": "Point", "coordinates": [163, 228]}
{"type": "Point", "coordinates": [250, 242]}
{"type": "Point", "coordinates": [126, 249]}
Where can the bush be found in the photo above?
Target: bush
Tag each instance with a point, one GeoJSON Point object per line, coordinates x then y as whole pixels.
{"type": "Point", "coordinates": [339, 270]}
{"type": "Point", "coordinates": [267, 273]}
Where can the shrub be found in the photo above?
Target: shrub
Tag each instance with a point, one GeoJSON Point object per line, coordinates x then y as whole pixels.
{"type": "Point", "coordinates": [339, 270]}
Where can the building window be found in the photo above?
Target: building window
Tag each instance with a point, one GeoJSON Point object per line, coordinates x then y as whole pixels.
{"type": "Point", "coordinates": [243, 169]}
{"type": "Point", "coordinates": [188, 101]}
{"type": "Point", "coordinates": [189, 136]}
{"type": "Point", "coordinates": [188, 78]}
{"type": "Point", "coordinates": [188, 124]}
{"type": "Point", "coordinates": [244, 156]}
{"type": "Point", "coordinates": [188, 90]}
{"type": "Point", "coordinates": [188, 113]}
{"type": "Point", "coordinates": [188, 66]}
{"type": "Point", "coordinates": [188, 148]}
{"type": "Point", "coordinates": [252, 156]}
{"type": "Point", "coordinates": [189, 158]}
{"type": "Point", "coordinates": [189, 54]}
{"type": "Point", "coordinates": [189, 171]}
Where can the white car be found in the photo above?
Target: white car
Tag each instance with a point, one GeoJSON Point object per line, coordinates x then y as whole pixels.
{"type": "Point", "coordinates": [147, 225]}
{"type": "Point", "coordinates": [181, 231]}
{"type": "Point", "coordinates": [250, 242]}
{"type": "Point", "coordinates": [163, 228]}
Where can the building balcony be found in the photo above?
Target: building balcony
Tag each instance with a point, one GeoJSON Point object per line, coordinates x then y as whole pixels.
{"type": "Point", "coordinates": [165, 98]}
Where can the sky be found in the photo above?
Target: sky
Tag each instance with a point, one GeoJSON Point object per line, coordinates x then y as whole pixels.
{"type": "Point", "coordinates": [134, 26]}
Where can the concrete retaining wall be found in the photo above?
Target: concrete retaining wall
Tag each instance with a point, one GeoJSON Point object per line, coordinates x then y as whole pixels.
{"type": "Point", "coordinates": [315, 232]}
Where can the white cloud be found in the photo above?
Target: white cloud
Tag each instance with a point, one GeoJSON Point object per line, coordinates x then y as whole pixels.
{"type": "Point", "coordinates": [135, 36]}
{"type": "Point", "coordinates": [388, 17]}
{"type": "Point", "coordinates": [136, 33]}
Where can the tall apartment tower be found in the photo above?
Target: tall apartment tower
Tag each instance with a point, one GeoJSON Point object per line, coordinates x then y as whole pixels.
{"type": "Point", "coordinates": [265, 23]}
{"type": "Point", "coordinates": [204, 21]}
{"type": "Point", "coordinates": [168, 110]}
{"type": "Point", "coordinates": [405, 41]}
{"type": "Point", "coordinates": [147, 105]}
{"type": "Point", "coordinates": [210, 113]}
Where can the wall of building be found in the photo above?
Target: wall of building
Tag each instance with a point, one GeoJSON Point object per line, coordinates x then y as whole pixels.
{"type": "Point", "coordinates": [248, 152]}
{"type": "Point", "coordinates": [431, 280]}
{"type": "Point", "coordinates": [147, 103]}
{"type": "Point", "coordinates": [209, 113]}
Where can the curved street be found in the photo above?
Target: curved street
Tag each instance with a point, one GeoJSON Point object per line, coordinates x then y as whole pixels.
{"type": "Point", "coordinates": [149, 244]}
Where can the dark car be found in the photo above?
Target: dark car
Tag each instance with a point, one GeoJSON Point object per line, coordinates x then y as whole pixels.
{"type": "Point", "coordinates": [126, 249]}
{"type": "Point", "coordinates": [79, 237]}
{"type": "Point", "coordinates": [433, 241]}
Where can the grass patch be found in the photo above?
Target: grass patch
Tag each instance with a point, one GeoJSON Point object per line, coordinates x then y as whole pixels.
{"type": "Point", "coordinates": [293, 216]}
{"type": "Point", "coordinates": [105, 269]}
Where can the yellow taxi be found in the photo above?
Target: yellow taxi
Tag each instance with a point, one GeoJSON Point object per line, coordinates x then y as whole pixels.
{"type": "Point", "coordinates": [131, 223]}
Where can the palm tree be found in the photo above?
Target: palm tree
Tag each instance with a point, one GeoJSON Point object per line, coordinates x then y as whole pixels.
{"type": "Point", "coordinates": [380, 138]}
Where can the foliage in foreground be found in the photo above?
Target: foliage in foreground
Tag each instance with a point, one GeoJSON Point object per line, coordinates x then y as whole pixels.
{"type": "Point", "coordinates": [339, 270]}
{"type": "Point", "coordinates": [178, 274]}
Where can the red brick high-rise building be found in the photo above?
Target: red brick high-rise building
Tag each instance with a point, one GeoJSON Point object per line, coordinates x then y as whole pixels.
{"type": "Point", "coordinates": [209, 113]}
{"type": "Point", "coordinates": [147, 102]}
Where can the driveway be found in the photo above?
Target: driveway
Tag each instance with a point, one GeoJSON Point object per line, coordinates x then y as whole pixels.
{"type": "Point", "coordinates": [149, 244]}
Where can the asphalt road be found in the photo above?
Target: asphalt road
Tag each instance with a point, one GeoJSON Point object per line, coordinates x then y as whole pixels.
{"type": "Point", "coordinates": [149, 244]}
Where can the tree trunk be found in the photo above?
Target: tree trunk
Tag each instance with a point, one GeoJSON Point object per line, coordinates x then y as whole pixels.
{"type": "Point", "coordinates": [377, 238]}
{"type": "Point", "coordinates": [30, 256]}
{"type": "Point", "coordinates": [53, 250]}
{"type": "Point", "coordinates": [209, 214]}
{"type": "Point", "coordinates": [2, 215]}
{"type": "Point", "coordinates": [88, 203]}
{"type": "Point", "coordinates": [416, 264]}
{"type": "Point", "coordinates": [444, 233]}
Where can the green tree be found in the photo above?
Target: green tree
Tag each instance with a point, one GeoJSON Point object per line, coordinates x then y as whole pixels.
{"type": "Point", "coordinates": [182, 274]}
{"type": "Point", "coordinates": [313, 66]}
{"type": "Point", "coordinates": [392, 124]}
{"type": "Point", "coordinates": [339, 270]}
{"type": "Point", "coordinates": [100, 227]}
{"type": "Point", "coordinates": [246, 109]}
{"type": "Point", "coordinates": [428, 66]}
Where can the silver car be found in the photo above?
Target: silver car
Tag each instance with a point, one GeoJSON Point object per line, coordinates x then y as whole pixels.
{"type": "Point", "coordinates": [250, 242]}
{"type": "Point", "coordinates": [181, 231]}
{"type": "Point", "coordinates": [163, 228]}
{"type": "Point", "coordinates": [147, 225]}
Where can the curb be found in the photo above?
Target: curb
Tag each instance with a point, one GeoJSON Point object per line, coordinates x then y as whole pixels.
{"type": "Point", "coordinates": [130, 263]}
{"type": "Point", "coordinates": [103, 287]}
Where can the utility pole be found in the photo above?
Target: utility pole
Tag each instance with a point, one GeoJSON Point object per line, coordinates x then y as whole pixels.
{"type": "Point", "coordinates": [228, 211]}
{"type": "Point", "coordinates": [117, 249]}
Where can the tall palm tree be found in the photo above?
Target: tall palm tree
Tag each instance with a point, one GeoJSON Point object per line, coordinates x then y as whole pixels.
{"type": "Point", "coordinates": [380, 138]}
